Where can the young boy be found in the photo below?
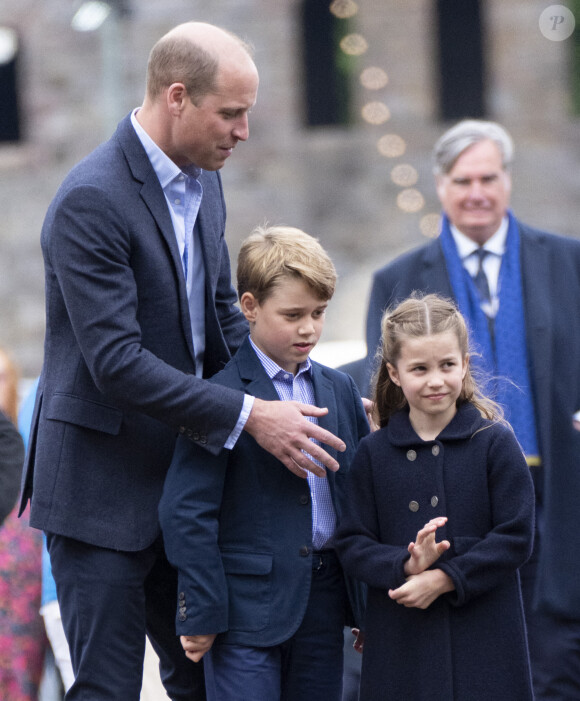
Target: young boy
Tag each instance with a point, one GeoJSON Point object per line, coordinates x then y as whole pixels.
{"type": "Point", "coordinates": [261, 591]}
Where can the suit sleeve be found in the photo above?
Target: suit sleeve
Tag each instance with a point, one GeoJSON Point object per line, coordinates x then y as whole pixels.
{"type": "Point", "coordinates": [189, 517]}
{"type": "Point", "coordinates": [11, 461]}
{"type": "Point", "coordinates": [357, 539]}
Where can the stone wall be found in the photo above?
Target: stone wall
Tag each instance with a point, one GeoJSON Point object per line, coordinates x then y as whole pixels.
{"type": "Point", "coordinates": [332, 182]}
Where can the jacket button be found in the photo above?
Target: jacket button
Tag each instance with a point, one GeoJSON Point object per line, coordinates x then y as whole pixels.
{"type": "Point", "coordinates": [181, 596]}
{"type": "Point", "coordinates": [182, 617]}
{"type": "Point", "coordinates": [304, 551]}
{"type": "Point", "coordinates": [203, 439]}
{"type": "Point", "coordinates": [195, 436]}
{"type": "Point", "coordinates": [413, 506]}
{"type": "Point", "coordinates": [411, 455]}
{"type": "Point", "coordinates": [434, 501]}
{"type": "Point", "coordinates": [435, 450]}
{"type": "Point", "coordinates": [304, 499]}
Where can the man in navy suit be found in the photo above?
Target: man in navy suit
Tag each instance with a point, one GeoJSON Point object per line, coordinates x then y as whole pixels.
{"type": "Point", "coordinates": [252, 543]}
{"type": "Point", "coordinates": [140, 309]}
{"type": "Point", "coordinates": [520, 289]}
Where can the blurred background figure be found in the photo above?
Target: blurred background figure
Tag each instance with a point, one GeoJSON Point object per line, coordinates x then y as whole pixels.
{"type": "Point", "coordinates": [22, 638]}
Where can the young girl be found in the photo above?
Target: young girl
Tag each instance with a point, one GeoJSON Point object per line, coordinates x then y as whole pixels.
{"type": "Point", "coordinates": [439, 520]}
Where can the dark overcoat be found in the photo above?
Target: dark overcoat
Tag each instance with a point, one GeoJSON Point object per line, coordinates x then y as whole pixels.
{"type": "Point", "coordinates": [550, 267]}
{"type": "Point", "coordinates": [470, 644]}
{"type": "Point", "coordinates": [238, 525]}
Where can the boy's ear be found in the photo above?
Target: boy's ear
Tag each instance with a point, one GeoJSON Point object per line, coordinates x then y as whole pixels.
{"type": "Point", "coordinates": [249, 305]}
{"type": "Point", "coordinates": [393, 374]}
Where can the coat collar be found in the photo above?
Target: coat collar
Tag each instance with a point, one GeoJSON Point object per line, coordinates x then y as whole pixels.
{"type": "Point", "coordinates": [465, 422]}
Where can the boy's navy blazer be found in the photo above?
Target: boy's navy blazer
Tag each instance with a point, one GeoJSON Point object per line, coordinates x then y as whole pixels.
{"type": "Point", "coordinates": [238, 525]}
{"type": "Point", "coordinates": [118, 382]}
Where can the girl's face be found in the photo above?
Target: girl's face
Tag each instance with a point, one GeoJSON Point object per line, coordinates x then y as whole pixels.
{"type": "Point", "coordinates": [430, 371]}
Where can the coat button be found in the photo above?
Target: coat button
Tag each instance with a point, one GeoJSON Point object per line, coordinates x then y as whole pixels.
{"type": "Point", "coordinates": [304, 551]}
{"type": "Point", "coordinates": [413, 506]}
{"type": "Point", "coordinates": [182, 617]}
{"type": "Point", "coordinates": [304, 499]}
{"type": "Point", "coordinates": [434, 501]}
{"type": "Point", "coordinates": [181, 596]}
{"type": "Point", "coordinates": [411, 455]}
{"type": "Point", "coordinates": [435, 450]}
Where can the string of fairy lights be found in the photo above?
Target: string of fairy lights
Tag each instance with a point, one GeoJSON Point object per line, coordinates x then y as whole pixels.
{"type": "Point", "coordinates": [377, 113]}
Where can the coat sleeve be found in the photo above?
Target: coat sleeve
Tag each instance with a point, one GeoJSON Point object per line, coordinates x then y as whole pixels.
{"type": "Point", "coordinates": [11, 461]}
{"type": "Point", "coordinates": [357, 538]}
{"type": "Point", "coordinates": [480, 564]}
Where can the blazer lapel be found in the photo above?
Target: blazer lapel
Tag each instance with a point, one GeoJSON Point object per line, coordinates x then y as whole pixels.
{"type": "Point", "coordinates": [326, 397]}
{"type": "Point", "coordinates": [257, 383]}
{"type": "Point", "coordinates": [153, 197]}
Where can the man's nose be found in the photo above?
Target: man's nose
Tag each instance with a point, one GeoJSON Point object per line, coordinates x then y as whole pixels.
{"type": "Point", "coordinates": [242, 128]}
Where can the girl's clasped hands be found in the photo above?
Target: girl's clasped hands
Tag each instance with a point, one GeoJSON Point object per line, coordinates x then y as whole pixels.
{"type": "Point", "coordinates": [422, 585]}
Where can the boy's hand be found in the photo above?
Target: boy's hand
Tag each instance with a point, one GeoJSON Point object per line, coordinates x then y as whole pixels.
{"type": "Point", "coordinates": [359, 639]}
{"type": "Point", "coordinates": [425, 550]}
{"type": "Point", "coordinates": [196, 646]}
{"type": "Point", "coordinates": [369, 407]}
{"type": "Point", "coordinates": [421, 590]}
{"type": "Point", "coordinates": [282, 429]}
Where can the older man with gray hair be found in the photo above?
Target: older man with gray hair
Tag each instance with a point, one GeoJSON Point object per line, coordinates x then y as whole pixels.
{"type": "Point", "coordinates": [519, 288]}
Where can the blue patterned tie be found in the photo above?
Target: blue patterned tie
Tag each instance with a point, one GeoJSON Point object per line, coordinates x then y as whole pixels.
{"type": "Point", "coordinates": [480, 278]}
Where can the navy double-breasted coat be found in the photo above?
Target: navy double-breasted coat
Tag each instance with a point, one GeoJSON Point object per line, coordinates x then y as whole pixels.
{"type": "Point", "coordinates": [470, 644]}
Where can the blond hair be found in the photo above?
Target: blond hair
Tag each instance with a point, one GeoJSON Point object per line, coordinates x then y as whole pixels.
{"type": "Point", "coordinates": [271, 253]}
{"type": "Point", "coordinates": [417, 316]}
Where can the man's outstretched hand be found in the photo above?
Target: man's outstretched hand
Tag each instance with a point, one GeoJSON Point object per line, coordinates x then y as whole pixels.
{"type": "Point", "coordinates": [282, 429]}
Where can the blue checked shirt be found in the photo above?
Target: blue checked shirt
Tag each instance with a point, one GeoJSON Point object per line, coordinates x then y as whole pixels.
{"type": "Point", "coordinates": [299, 388]}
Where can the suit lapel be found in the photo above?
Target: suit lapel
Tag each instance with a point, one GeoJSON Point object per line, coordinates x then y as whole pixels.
{"type": "Point", "coordinates": [535, 262]}
{"type": "Point", "coordinates": [433, 276]}
{"type": "Point", "coordinates": [153, 197]}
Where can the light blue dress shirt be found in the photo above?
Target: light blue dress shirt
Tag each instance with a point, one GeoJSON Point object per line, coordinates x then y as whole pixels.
{"type": "Point", "coordinates": [299, 388]}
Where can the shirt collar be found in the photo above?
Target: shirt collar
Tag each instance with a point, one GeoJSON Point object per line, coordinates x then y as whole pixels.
{"type": "Point", "coordinates": [496, 244]}
{"type": "Point", "coordinates": [165, 169]}
{"type": "Point", "coordinates": [273, 370]}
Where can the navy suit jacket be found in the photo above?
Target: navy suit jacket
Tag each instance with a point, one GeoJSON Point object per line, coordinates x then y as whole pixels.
{"type": "Point", "coordinates": [551, 292]}
{"type": "Point", "coordinates": [238, 525]}
{"type": "Point", "coordinates": [118, 382]}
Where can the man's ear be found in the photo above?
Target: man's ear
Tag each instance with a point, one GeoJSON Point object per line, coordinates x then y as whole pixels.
{"type": "Point", "coordinates": [393, 374]}
{"type": "Point", "coordinates": [249, 305]}
{"type": "Point", "coordinates": [176, 97]}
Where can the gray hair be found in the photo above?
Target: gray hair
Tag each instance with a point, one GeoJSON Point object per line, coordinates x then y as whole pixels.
{"type": "Point", "coordinates": [465, 134]}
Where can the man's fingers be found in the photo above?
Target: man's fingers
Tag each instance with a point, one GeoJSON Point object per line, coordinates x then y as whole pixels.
{"type": "Point", "coordinates": [319, 433]}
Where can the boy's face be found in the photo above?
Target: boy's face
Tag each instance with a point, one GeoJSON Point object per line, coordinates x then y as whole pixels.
{"type": "Point", "coordinates": [288, 324]}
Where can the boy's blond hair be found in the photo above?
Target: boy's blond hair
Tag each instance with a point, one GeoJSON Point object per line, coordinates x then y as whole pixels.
{"type": "Point", "coordinates": [271, 253]}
